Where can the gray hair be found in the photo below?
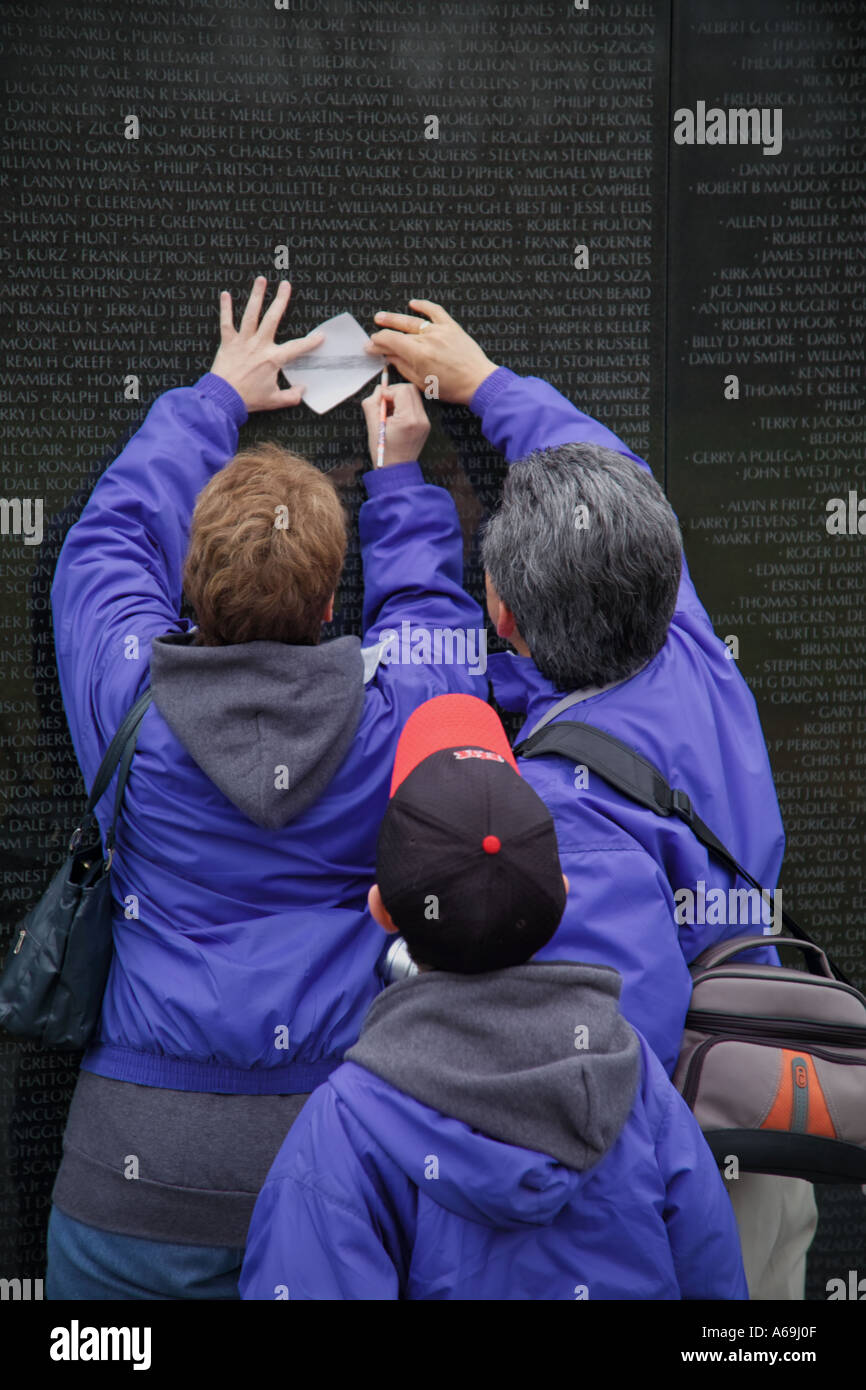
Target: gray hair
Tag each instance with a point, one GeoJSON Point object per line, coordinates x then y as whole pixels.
{"type": "Point", "coordinates": [586, 552]}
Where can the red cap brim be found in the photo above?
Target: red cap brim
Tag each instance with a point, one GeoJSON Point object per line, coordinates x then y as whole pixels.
{"type": "Point", "coordinates": [449, 721]}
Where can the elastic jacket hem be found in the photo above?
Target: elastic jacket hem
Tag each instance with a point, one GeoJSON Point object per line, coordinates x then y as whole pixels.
{"type": "Point", "coordinates": [179, 1074]}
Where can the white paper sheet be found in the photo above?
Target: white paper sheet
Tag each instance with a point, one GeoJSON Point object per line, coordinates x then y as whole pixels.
{"type": "Point", "coordinates": [337, 368]}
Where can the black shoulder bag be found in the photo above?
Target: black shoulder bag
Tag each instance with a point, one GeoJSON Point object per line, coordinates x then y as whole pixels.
{"type": "Point", "coordinates": [55, 973]}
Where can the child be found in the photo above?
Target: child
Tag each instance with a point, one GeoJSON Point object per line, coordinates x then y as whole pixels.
{"type": "Point", "coordinates": [499, 1131]}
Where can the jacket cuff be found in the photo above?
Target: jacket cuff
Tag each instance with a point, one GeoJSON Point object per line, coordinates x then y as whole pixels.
{"type": "Point", "coordinates": [490, 388]}
{"type": "Point", "coordinates": [224, 395]}
{"type": "Point", "coordinates": [396, 475]}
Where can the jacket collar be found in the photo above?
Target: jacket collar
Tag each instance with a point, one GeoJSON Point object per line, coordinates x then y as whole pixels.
{"type": "Point", "coordinates": [520, 688]}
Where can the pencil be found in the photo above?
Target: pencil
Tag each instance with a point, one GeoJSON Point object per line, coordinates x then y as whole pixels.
{"type": "Point", "coordinates": [383, 416]}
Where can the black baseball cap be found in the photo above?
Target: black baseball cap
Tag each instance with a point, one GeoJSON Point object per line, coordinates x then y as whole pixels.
{"type": "Point", "coordinates": [467, 863]}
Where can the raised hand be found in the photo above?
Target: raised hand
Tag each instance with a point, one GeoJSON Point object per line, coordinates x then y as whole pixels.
{"type": "Point", "coordinates": [249, 359]}
{"type": "Point", "coordinates": [406, 428]}
{"type": "Point", "coordinates": [432, 347]}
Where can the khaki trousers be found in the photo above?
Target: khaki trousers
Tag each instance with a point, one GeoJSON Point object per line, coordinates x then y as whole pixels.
{"type": "Point", "coordinates": [777, 1218]}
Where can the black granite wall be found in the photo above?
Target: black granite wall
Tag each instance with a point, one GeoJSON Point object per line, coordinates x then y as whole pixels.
{"type": "Point", "coordinates": [714, 320]}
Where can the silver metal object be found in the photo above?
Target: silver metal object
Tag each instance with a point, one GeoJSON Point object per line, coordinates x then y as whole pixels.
{"type": "Point", "coordinates": [397, 963]}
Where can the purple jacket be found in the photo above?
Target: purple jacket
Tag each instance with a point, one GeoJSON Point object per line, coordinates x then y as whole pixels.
{"type": "Point", "coordinates": [457, 1156]}
{"type": "Point", "coordinates": [691, 713]}
{"type": "Point", "coordinates": [244, 954]}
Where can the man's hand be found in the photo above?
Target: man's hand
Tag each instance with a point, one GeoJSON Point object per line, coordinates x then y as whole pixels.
{"type": "Point", "coordinates": [434, 346]}
{"type": "Point", "coordinates": [406, 428]}
{"type": "Point", "coordinates": [249, 359]}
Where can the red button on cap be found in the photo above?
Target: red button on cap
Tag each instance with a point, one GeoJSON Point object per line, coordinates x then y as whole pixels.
{"type": "Point", "coordinates": [491, 844]}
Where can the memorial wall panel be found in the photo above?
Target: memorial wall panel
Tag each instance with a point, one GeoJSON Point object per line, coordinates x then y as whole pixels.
{"type": "Point", "coordinates": [517, 163]}
{"type": "Point", "coordinates": [766, 427]}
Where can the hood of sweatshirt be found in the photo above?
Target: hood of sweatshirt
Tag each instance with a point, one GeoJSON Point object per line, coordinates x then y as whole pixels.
{"type": "Point", "coordinates": [268, 723]}
{"type": "Point", "coordinates": [534, 1067]}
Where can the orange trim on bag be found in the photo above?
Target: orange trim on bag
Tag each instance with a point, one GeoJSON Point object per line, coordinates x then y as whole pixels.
{"type": "Point", "coordinates": [781, 1113]}
{"type": "Point", "coordinates": [782, 1110]}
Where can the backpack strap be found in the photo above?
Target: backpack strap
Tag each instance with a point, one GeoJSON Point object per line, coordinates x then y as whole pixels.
{"type": "Point", "coordinates": [639, 779]}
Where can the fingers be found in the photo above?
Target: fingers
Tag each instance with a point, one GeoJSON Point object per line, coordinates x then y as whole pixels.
{"type": "Point", "coordinates": [251, 313]}
{"type": "Point", "coordinates": [406, 409]}
{"type": "Point", "coordinates": [434, 312]}
{"type": "Point", "coordinates": [227, 326]}
{"type": "Point", "coordinates": [378, 392]}
{"type": "Point", "coordinates": [371, 404]}
{"type": "Point", "coordinates": [393, 344]}
{"type": "Point", "coordinates": [280, 398]}
{"type": "Point", "coordinates": [279, 304]}
{"type": "Point", "coordinates": [407, 401]}
{"type": "Point", "coordinates": [403, 323]}
{"type": "Point", "coordinates": [400, 349]}
{"type": "Point", "coordinates": [410, 323]}
{"type": "Point", "coordinates": [296, 347]}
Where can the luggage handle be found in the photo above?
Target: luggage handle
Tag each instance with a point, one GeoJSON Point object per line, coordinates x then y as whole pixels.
{"type": "Point", "coordinates": [723, 950]}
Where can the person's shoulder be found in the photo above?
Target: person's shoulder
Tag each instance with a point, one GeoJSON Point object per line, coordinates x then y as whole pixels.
{"type": "Point", "coordinates": [351, 1100]}
{"type": "Point", "coordinates": [583, 805]}
{"type": "Point", "coordinates": [374, 1113]}
{"type": "Point", "coordinates": [327, 1144]}
{"type": "Point", "coordinates": [357, 1089]}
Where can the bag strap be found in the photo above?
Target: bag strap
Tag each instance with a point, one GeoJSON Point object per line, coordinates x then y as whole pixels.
{"type": "Point", "coordinates": [119, 750]}
{"type": "Point", "coordinates": [639, 779]}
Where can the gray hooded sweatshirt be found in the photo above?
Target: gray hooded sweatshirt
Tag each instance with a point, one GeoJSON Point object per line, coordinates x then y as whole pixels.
{"type": "Point", "coordinates": [239, 711]}
{"type": "Point", "coordinates": [537, 1056]}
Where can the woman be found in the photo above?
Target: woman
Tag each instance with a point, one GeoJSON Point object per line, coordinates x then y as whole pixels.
{"type": "Point", "coordinates": [244, 955]}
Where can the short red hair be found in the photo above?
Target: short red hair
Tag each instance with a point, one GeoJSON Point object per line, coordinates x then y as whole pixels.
{"type": "Point", "coordinates": [266, 549]}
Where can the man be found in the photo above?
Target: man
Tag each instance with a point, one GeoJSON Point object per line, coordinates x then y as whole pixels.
{"type": "Point", "coordinates": [586, 580]}
{"type": "Point", "coordinates": [244, 954]}
{"type": "Point", "coordinates": [498, 1131]}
